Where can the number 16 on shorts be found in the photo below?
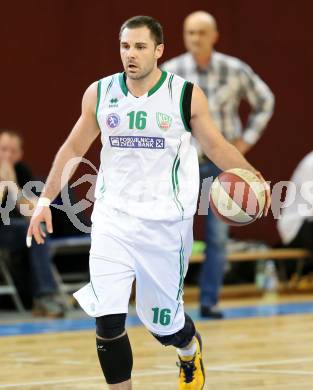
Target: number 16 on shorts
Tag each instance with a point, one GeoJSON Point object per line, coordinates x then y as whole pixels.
{"type": "Point", "coordinates": [161, 316]}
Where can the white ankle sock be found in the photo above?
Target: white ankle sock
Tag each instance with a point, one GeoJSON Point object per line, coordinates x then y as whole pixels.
{"type": "Point", "coordinates": [183, 352]}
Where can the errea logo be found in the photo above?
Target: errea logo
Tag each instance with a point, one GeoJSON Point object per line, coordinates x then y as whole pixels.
{"type": "Point", "coordinates": [113, 103]}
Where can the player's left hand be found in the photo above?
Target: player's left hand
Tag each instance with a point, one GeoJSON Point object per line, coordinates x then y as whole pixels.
{"type": "Point", "coordinates": [41, 214]}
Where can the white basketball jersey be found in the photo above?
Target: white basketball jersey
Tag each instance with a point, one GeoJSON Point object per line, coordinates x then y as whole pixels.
{"type": "Point", "coordinates": [149, 164]}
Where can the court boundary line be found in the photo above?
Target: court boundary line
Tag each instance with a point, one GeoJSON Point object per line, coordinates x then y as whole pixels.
{"type": "Point", "coordinates": [266, 363]}
{"type": "Point", "coordinates": [261, 371]}
{"type": "Point", "coordinates": [137, 374]}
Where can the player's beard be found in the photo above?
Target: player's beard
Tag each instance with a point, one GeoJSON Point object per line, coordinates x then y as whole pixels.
{"type": "Point", "coordinates": [139, 76]}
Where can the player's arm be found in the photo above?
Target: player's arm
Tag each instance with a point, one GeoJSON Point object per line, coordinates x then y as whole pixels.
{"type": "Point", "coordinates": [214, 145]}
{"type": "Point", "coordinates": [76, 145]}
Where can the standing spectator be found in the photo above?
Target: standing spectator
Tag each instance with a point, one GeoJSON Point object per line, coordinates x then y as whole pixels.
{"type": "Point", "coordinates": [12, 236]}
{"type": "Point", "coordinates": [226, 81]}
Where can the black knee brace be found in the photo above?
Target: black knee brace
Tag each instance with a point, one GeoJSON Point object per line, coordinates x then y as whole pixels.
{"type": "Point", "coordinates": [181, 338]}
{"type": "Point", "coordinates": [114, 353]}
{"type": "Point", "coordinates": [110, 326]}
{"type": "Point", "coordinates": [116, 359]}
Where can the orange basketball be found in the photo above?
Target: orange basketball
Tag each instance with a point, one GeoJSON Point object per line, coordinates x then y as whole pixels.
{"type": "Point", "coordinates": [237, 196]}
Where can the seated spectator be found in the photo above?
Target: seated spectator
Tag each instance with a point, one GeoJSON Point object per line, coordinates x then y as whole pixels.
{"type": "Point", "coordinates": [13, 235]}
{"type": "Point", "coordinates": [296, 223]}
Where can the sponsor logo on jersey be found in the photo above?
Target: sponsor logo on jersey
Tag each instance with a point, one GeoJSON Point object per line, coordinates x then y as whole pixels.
{"type": "Point", "coordinates": [164, 121]}
{"type": "Point", "coordinates": [137, 142]}
{"type": "Point", "coordinates": [113, 103]}
{"type": "Point", "coordinates": [113, 120]}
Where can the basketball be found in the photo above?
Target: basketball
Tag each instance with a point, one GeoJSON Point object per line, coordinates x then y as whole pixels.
{"type": "Point", "coordinates": [237, 197]}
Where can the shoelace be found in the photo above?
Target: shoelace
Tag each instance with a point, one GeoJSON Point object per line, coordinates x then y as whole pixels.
{"type": "Point", "coordinates": [188, 369]}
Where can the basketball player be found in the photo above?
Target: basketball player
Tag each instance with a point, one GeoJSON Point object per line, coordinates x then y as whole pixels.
{"type": "Point", "coordinates": [146, 197]}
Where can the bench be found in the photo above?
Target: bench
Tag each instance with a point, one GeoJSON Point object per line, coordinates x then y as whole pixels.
{"type": "Point", "coordinates": [253, 255]}
{"type": "Point", "coordinates": [277, 254]}
{"type": "Point", "coordinates": [69, 282]}
{"type": "Point", "coordinates": [9, 287]}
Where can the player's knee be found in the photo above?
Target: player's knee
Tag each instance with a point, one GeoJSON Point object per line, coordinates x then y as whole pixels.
{"type": "Point", "coordinates": [181, 338]}
{"type": "Point", "coordinates": [110, 326]}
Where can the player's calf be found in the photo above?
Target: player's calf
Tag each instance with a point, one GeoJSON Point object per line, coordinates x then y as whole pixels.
{"type": "Point", "coordinates": [114, 350]}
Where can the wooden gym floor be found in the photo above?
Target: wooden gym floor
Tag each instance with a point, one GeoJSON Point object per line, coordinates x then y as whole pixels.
{"type": "Point", "coordinates": [266, 351]}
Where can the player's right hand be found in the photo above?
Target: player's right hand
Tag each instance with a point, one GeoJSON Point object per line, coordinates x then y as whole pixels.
{"type": "Point", "coordinates": [41, 214]}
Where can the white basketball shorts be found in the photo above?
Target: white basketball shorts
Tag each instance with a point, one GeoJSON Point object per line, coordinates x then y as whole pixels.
{"type": "Point", "coordinates": [155, 253]}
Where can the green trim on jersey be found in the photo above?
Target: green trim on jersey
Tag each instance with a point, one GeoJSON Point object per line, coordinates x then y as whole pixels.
{"type": "Point", "coordinates": [169, 84]}
{"type": "Point", "coordinates": [122, 83]}
{"type": "Point", "coordinates": [159, 84]}
{"type": "Point", "coordinates": [175, 182]}
{"type": "Point", "coordinates": [98, 101]}
{"type": "Point", "coordinates": [150, 92]}
{"type": "Point", "coordinates": [181, 107]}
{"type": "Point", "coordinates": [102, 189]}
{"type": "Point", "coordinates": [109, 87]}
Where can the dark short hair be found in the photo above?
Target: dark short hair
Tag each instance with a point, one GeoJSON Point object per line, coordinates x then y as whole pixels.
{"type": "Point", "coordinates": [152, 24]}
{"type": "Point", "coordinates": [12, 133]}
